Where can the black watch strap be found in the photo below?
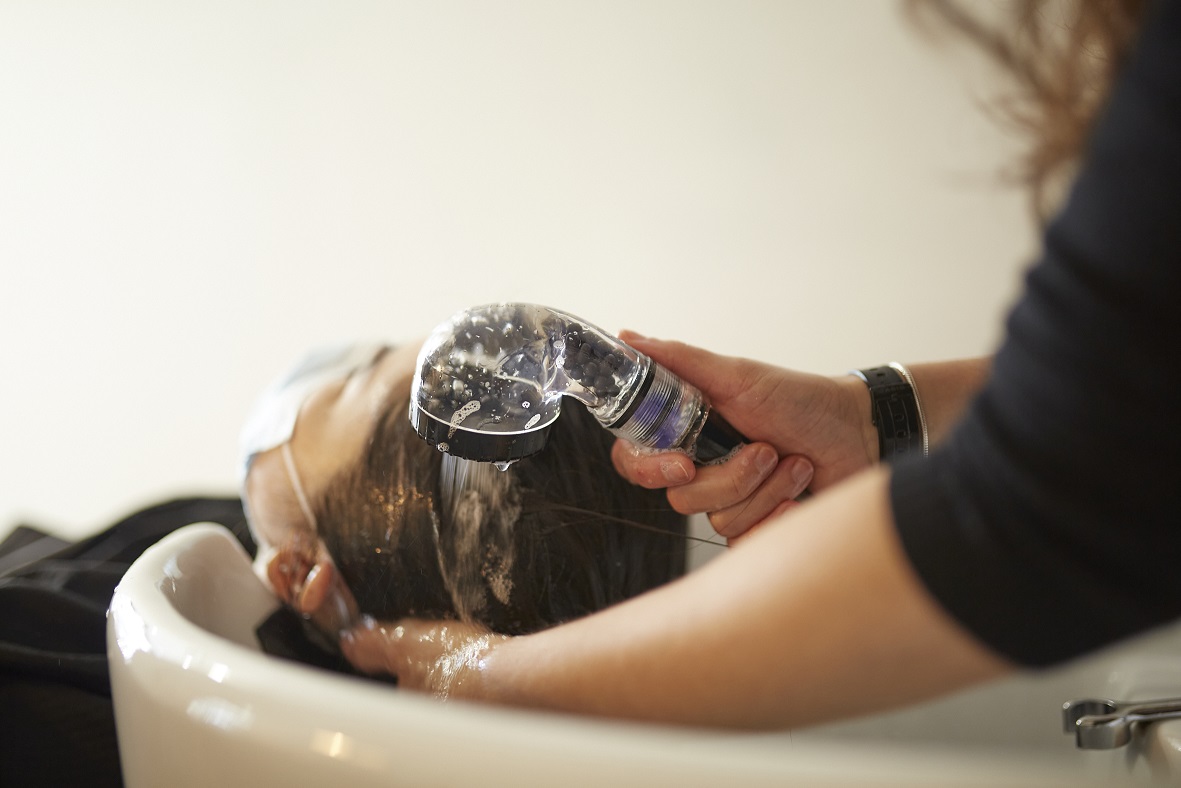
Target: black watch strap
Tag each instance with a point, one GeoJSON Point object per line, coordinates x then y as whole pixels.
{"type": "Point", "coordinates": [894, 408]}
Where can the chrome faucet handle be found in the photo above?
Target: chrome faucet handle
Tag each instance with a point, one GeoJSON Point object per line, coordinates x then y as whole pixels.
{"type": "Point", "coordinates": [1100, 724]}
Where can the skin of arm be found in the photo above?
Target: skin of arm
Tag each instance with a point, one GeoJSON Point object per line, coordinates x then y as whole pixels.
{"type": "Point", "coordinates": [815, 617]}
{"type": "Point", "coordinates": [946, 388]}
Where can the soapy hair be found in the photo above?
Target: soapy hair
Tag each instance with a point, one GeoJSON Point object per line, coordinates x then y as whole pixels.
{"type": "Point", "coordinates": [564, 536]}
{"type": "Point", "coordinates": [1063, 58]}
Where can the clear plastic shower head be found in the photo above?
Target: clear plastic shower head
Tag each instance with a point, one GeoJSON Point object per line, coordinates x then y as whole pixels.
{"type": "Point", "coordinates": [491, 379]}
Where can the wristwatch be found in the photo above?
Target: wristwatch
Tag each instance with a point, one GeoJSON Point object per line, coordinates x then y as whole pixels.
{"type": "Point", "coordinates": [895, 410]}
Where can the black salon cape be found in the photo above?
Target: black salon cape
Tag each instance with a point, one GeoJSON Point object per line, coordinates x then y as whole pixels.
{"type": "Point", "coordinates": [1049, 523]}
{"type": "Point", "coordinates": [57, 725]}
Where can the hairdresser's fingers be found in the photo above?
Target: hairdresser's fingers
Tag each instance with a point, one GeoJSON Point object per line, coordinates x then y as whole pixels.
{"type": "Point", "coordinates": [316, 587]}
{"type": "Point", "coordinates": [700, 367]}
{"type": "Point", "coordinates": [774, 515]}
{"type": "Point", "coordinates": [326, 599]}
{"type": "Point", "coordinates": [719, 486]}
{"type": "Point", "coordinates": [654, 471]}
{"type": "Point", "coordinates": [287, 571]}
{"type": "Point", "coordinates": [787, 482]}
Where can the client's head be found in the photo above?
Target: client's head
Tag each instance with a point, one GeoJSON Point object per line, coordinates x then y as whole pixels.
{"type": "Point", "coordinates": [344, 499]}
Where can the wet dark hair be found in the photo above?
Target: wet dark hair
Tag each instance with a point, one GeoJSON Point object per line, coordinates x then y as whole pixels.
{"type": "Point", "coordinates": [570, 536]}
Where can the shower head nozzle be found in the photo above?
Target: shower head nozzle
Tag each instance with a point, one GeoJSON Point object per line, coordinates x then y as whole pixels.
{"type": "Point", "coordinates": [481, 391]}
{"type": "Point", "coordinates": [477, 444]}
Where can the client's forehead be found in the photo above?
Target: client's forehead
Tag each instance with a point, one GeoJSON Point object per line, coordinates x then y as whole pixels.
{"type": "Point", "coordinates": [336, 421]}
{"type": "Point", "coordinates": [332, 433]}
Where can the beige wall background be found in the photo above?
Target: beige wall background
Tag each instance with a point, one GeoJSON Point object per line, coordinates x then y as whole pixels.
{"type": "Point", "coordinates": [194, 193]}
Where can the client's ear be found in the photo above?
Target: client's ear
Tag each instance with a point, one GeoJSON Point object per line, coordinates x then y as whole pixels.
{"type": "Point", "coordinates": [306, 580]}
{"type": "Point", "coordinates": [288, 570]}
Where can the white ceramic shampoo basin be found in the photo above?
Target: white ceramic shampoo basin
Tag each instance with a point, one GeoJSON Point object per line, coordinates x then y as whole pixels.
{"type": "Point", "coordinates": [197, 703]}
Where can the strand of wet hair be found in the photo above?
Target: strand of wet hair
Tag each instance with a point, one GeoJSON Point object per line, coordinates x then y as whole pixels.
{"type": "Point", "coordinates": [549, 506]}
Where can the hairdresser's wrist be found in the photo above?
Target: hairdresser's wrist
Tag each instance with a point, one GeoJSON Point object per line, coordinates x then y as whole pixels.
{"type": "Point", "coordinates": [481, 682]}
{"type": "Point", "coordinates": [509, 672]}
{"type": "Point", "coordinates": [857, 416]}
{"type": "Point", "coordinates": [534, 671]}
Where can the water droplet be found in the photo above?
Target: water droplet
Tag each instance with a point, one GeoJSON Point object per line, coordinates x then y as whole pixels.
{"type": "Point", "coordinates": [442, 446]}
{"type": "Point", "coordinates": [525, 404]}
{"type": "Point", "coordinates": [503, 465]}
{"type": "Point", "coordinates": [536, 418]}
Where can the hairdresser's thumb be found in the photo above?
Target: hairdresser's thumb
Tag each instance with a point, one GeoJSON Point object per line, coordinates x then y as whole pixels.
{"type": "Point", "coordinates": [718, 377]}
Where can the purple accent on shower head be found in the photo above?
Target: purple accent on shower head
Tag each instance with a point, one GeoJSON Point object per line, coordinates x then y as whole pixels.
{"type": "Point", "coordinates": [652, 416]}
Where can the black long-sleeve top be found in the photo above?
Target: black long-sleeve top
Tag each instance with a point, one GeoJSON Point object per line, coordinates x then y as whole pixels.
{"type": "Point", "coordinates": [1049, 523]}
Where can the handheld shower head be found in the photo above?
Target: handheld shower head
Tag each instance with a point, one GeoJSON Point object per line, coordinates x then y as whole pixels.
{"type": "Point", "coordinates": [491, 379]}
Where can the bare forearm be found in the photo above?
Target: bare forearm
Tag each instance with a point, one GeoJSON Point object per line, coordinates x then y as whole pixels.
{"type": "Point", "coordinates": [754, 639]}
{"type": "Point", "coordinates": [946, 388]}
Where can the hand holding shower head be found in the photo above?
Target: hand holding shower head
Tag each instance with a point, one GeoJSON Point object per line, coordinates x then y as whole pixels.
{"type": "Point", "coordinates": [490, 381]}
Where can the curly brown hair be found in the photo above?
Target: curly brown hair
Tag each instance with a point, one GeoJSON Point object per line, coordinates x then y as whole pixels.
{"type": "Point", "coordinates": [1063, 55]}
